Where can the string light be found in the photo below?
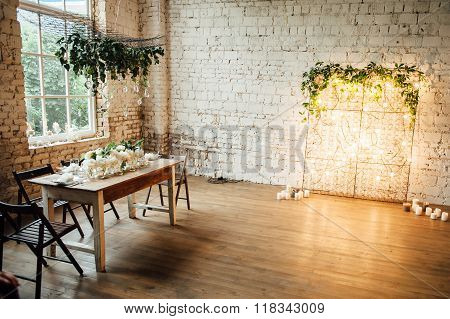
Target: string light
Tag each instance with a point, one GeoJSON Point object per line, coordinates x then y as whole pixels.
{"type": "Point", "coordinates": [357, 131]}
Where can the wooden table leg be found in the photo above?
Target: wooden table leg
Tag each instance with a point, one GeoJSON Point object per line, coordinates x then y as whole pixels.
{"type": "Point", "coordinates": [171, 198]}
{"type": "Point", "coordinates": [99, 232]}
{"type": "Point", "coordinates": [49, 212]}
{"type": "Point", "coordinates": [131, 208]}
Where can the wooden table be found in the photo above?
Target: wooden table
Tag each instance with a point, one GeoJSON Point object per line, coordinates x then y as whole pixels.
{"type": "Point", "coordinates": [98, 192]}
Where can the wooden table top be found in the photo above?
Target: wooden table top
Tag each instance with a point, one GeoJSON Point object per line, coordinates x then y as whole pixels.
{"type": "Point", "coordinates": [96, 185]}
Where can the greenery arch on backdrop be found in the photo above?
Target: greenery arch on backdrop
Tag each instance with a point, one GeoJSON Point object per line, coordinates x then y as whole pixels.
{"type": "Point", "coordinates": [405, 78]}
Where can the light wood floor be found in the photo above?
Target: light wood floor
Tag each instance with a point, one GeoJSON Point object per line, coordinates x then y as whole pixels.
{"type": "Point", "coordinates": [238, 242]}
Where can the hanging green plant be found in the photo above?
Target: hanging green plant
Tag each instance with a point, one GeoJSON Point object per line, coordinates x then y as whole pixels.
{"type": "Point", "coordinates": [321, 75]}
{"type": "Point", "coordinates": [95, 57]}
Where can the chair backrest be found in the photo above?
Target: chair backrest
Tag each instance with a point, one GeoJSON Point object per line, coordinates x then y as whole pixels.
{"type": "Point", "coordinates": [182, 158]}
{"type": "Point", "coordinates": [67, 163]}
{"type": "Point", "coordinates": [182, 166]}
{"type": "Point", "coordinates": [20, 210]}
{"type": "Point", "coordinates": [7, 209]}
{"type": "Point", "coordinates": [21, 177]}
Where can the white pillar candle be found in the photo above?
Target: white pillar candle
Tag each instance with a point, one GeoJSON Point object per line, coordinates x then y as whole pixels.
{"type": "Point", "coordinates": [415, 202]}
{"type": "Point", "coordinates": [286, 195]}
{"type": "Point", "coordinates": [433, 216]}
{"type": "Point", "coordinates": [296, 196]}
{"type": "Point", "coordinates": [428, 211]}
{"type": "Point", "coordinates": [279, 196]}
{"type": "Point", "coordinates": [418, 210]}
{"type": "Point", "coordinates": [444, 217]}
{"type": "Point", "coordinates": [438, 212]}
{"type": "Point", "coordinates": [306, 193]}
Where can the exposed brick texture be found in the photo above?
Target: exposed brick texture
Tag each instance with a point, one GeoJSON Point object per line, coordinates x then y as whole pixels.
{"type": "Point", "coordinates": [234, 69]}
{"type": "Point", "coordinates": [14, 150]}
{"type": "Point", "coordinates": [228, 87]}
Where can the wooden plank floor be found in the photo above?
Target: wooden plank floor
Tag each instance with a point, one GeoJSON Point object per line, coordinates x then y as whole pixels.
{"type": "Point", "coordinates": [238, 242]}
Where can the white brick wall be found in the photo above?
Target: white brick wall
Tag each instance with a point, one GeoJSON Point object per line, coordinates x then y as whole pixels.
{"type": "Point", "coordinates": [228, 87]}
{"type": "Point", "coordinates": [238, 65]}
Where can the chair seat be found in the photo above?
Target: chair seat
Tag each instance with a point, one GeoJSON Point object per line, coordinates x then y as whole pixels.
{"type": "Point", "coordinates": [57, 204]}
{"type": "Point", "coordinates": [30, 233]}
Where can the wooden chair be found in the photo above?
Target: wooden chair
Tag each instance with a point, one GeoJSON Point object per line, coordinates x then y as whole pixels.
{"type": "Point", "coordinates": [23, 197]}
{"type": "Point", "coordinates": [37, 235]}
{"type": "Point", "coordinates": [87, 208]}
{"type": "Point", "coordinates": [180, 179]}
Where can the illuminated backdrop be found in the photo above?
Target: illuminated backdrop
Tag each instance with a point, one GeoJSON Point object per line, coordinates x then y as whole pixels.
{"type": "Point", "coordinates": [361, 145]}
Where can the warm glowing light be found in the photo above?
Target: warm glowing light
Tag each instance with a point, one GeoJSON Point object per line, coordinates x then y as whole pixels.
{"type": "Point", "coordinates": [362, 126]}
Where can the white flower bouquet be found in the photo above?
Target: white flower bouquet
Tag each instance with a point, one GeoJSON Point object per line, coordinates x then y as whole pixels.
{"type": "Point", "coordinates": [116, 159]}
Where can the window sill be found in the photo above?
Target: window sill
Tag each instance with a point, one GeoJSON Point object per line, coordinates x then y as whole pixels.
{"type": "Point", "coordinates": [64, 143]}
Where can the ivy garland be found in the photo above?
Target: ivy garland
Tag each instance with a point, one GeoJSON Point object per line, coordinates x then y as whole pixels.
{"type": "Point", "coordinates": [94, 57]}
{"type": "Point", "coordinates": [320, 77]}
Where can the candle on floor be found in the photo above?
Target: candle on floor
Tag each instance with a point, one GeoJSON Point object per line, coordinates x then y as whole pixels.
{"type": "Point", "coordinates": [415, 203]}
{"type": "Point", "coordinates": [433, 216]}
{"type": "Point", "coordinates": [289, 189]}
{"type": "Point", "coordinates": [428, 211]}
{"type": "Point", "coordinates": [444, 217]}
{"type": "Point", "coordinates": [406, 207]}
{"type": "Point", "coordinates": [306, 193]}
{"type": "Point", "coordinates": [418, 210]}
{"type": "Point", "coordinates": [438, 212]}
{"type": "Point", "coordinates": [425, 205]}
{"type": "Point", "coordinates": [279, 196]}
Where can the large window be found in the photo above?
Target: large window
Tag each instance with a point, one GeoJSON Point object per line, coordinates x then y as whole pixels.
{"type": "Point", "coordinates": [57, 102]}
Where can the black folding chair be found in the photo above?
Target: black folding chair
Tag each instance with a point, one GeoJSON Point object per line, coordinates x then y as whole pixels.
{"type": "Point", "coordinates": [37, 235]}
{"type": "Point", "coordinates": [87, 208]}
{"type": "Point", "coordinates": [180, 179]}
{"type": "Point", "coordinates": [23, 197]}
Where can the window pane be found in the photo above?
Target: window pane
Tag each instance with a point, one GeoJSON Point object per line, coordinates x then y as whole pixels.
{"type": "Point", "coordinates": [79, 113]}
{"type": "Point", "coordinates": [77, 84]}
{"type": "Point", "coordinates": [28, 31]}
{"type": "Point", "coordinates": [49, 38]}
{"type": "Point", "coordinates": [56, 113]}
{"type": "Point", "coordinates": [77, 6]}
{"type": "Point", "coordinates": [34, 116]}
{"type": "Point", "coordinates": [54, 78]}
{"type": "Point", "coordinates": [59, 4]}
{"type": "Point", "coordinates": [31, 71]}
